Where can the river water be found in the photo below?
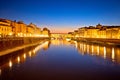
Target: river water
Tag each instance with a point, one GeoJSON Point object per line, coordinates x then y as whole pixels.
{"type": "Point", "coordinates": [62, 60]}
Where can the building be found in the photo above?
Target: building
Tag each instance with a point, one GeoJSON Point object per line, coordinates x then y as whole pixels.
{"type": "Point", "coordinates": [22, 29]}
{"type": "Point", "coordinates": [5, 28]}
{"type": "Point", "coordinates": [30, 31]}
{"type": "Point", "coordinates": [45, 32]}
{"type": "Point", "coordinates": [9, 28]}
{"type": "Point", "coordinates": [98, 31]}
{"type": "Point", "coordinates": [38, 32]}
{"type": "Point", "coordinates": [33, 30]}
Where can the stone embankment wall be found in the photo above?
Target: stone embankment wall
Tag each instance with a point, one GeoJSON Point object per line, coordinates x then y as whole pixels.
{"type": "Point", "coordinates": [6, 43]}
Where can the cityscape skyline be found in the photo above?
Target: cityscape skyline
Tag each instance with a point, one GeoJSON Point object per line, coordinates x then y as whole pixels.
{"type": "Point", "coordinates": [62, 15]}
{"type": "Point", "coordinates": [59, 39]}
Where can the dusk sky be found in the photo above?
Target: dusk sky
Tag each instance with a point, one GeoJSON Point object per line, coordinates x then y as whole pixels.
{"type": "Point", "coordinates": [62, 15]}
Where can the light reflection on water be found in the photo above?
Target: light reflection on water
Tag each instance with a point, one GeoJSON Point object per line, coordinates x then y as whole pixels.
{"type": "Point", "coordinates": [113, 54]}
{"type": "Point", "coordinates": [10, 63]}
{"type": "Point", "coordinates": [20, 57]}
{"type": "Point", "coordinates": [0, 71]}
{"type": "Point", "coordinates": [106, 51]}
{"type": "Point", "coordinates": [69, 65]}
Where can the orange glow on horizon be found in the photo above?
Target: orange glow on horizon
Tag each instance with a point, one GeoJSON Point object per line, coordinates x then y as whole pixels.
{"type": "Point", "coordinates": [61, 30]}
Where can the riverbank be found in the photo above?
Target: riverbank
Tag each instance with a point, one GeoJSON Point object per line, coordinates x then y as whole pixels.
{"type": "Point", "coordinates": [100, 41]}
{"type": "Point", "coordinates": [11, 42]}
{"type": "Point", "coordinates": [10, 50]}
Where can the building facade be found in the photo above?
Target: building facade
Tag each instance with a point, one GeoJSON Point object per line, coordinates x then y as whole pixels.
{"type": "Point", "coordinates": [98, 31]}
{"type": "Point", "coordinates": [5, 28]}
{"type": "Point", "coordinates": [9, 28]}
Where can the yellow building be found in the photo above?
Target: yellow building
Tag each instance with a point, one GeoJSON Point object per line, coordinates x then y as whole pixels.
{"type": "Point", "coordinates": [15, 28]}
{"type": "Point", "coordinates": [38, 32]}
{"type": "Point", "coordinates": [91, 33]}
{"type": "Point", "coordinates": [45, 32]}
{"type": "Point", "coordinates": [111, 32]}
{"type": "Point", "coordinates": [102, 33]}
{"type": "Point", "coordinates": [30, 31]}
{"type": "Point", "coordinates": [19, 28]}
{"type": "Point", "coordinates": [88, 32]}
{"type": "Point", "coordinates": [5, 28]}
{"type": "Point", "coordinates": [33, 30]}
{"type": "Point", "coordinates": [81, 31]}
{"type": "Point", "coordinates": [70, 35]}
{"type": "Point", "coordinates": [22, 29]}
{"type": "Point", "coordinates": [115, 33]}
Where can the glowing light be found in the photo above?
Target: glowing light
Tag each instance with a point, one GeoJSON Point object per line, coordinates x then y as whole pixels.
{"type": "Point", "coordinates": [113, 54]}
{"type": "Point", "coordinates": [18, 34]}
{"type": "Point", "coordinates": [10, 34]}
{"type": "Point", "coordinates": [38, 48]}
{"type": "Point", "coordinates": [77, 36]}
{"type": "Point", "coordinates": [104, 52]}
{"type": "Point", "coordinates": [30, 54]}
{"type": "Point", "coordinates": [84, 47]}
{"type": "Point", "coordinates": [24, 35]}
{"type": "Point", "coordinates": [92, 49]}
{"type": "Point", "coordinates": [18, 59]}
{"type": "Point", "coordinates": [0, 71]}
{"type": "Point", "coordinates": [30, 35]}
{"type": "Point", "coordinates": [24, 55]}
{"type": "Point", "coordinates": [43, 36]}
{"type": "Point", "coordinates": [75, 43]}
{"type": "Point", "coordinates": [88, 48]}
{"type": "Point", "coordinates": [10, 64]}
{"type": "Point", "coordinates": [98, 50]}
{"type": "Point", "coordinates": [52, 38]}
{"type": "Point", "coordinates": [34, 51]}
{"type": "Point", "coordinates": [68, 39]}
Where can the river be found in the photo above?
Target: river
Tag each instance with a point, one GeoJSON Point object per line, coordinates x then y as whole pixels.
{"type": "Point", "coordinates": [62, 60]}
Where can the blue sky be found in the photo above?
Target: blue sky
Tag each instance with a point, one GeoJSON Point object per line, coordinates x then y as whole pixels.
{"type": "Point", "coordinates": [62, 15]}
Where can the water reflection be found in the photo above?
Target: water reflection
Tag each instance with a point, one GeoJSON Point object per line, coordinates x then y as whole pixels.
{"type": "Point", "coordinates": [106, 51]}
{"type": "Point", "coordinates": [0, 71]}
{"type": "Point", "coordinates": [18, 59]}
{"type": "Point", "coordinates": [109, 52]}
{"type": "Point", "coordinates": [60, 42]}
{"type": "Point", "coordinates": [113, 54]}
{"type": "Point", "coordinates": [24, 55]}
{"type": "Point", "coordinates": [30, 54]}
{"type": "Point", "coordinates": [63, 65]}
{"type": "Point", "coordinates": [8, 61]}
